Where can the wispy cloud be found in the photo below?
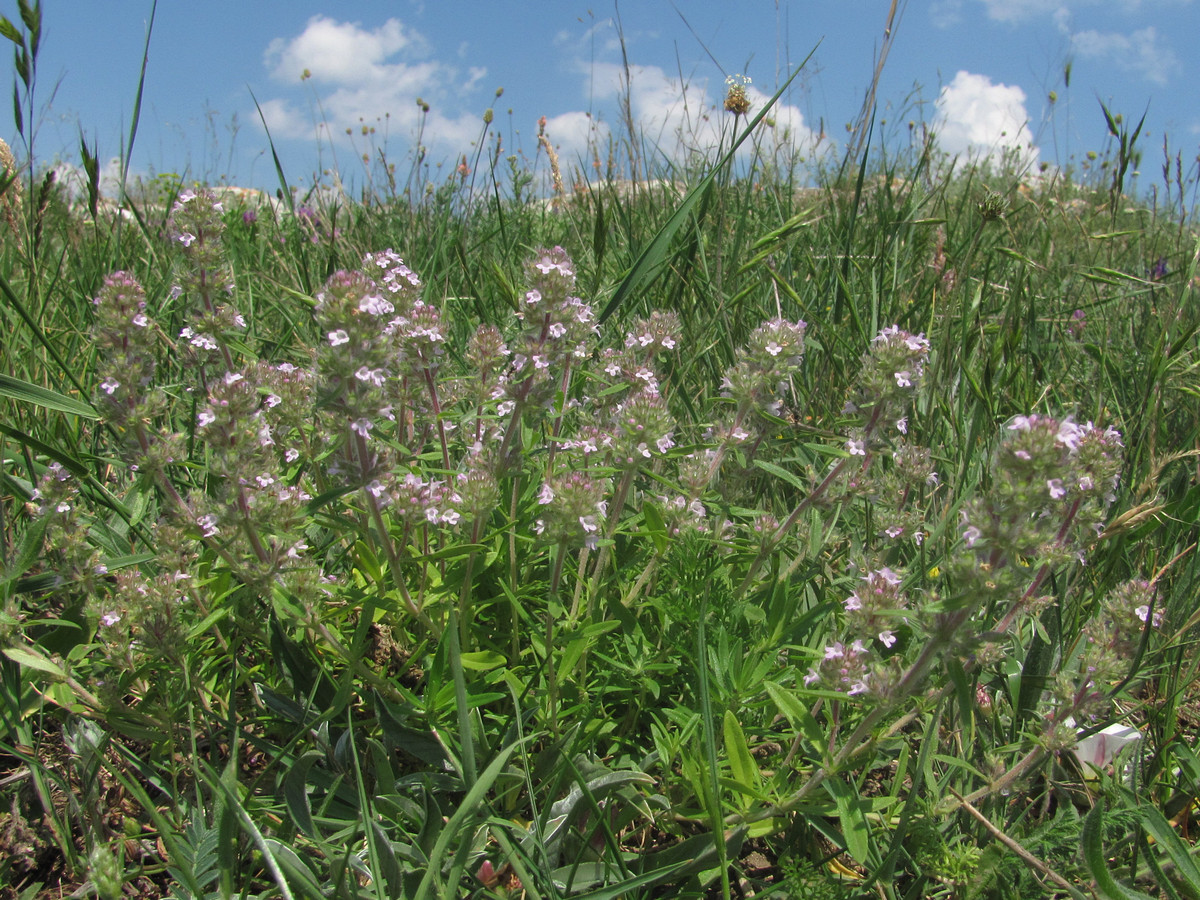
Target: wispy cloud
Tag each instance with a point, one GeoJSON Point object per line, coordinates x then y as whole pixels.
{"type": "Point", "coordinates": [945, 13]}
{"type": "Point", "coordinates": [1020, 10]}
{"type": "Point", "coordinates": [1143, 52]}
{"type": "Point", "coordinates": [1014, 11]}
{"type": "Point", "coordinates": [982, 120]}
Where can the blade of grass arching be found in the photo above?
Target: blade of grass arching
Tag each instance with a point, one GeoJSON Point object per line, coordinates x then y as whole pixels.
{"type": "Point", "coordinates": [99, 492]}
{"type": "Point", "coordinates": [167, 833]}
{"type": "Point", "coordinates": [654, 259]}
{"type": "Point", "coordinates": [285, 190]}
{"type": "Point", "coordinates": [40, 396]}
{"type": "Point", "coordinates": [474, 798]}
{"type": "Point", "coordinates": [235, 805]}
{"type": "Point", "coordinates": [884, 871]}
{"type": "Point", "coordinates": [127, 155]}
{"type": "Point", "coordinates": [1097, 862]}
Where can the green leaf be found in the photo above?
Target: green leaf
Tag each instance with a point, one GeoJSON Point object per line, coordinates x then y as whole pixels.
{"type": "Point", "coordinates": [741, 763]}
{"type": "Point", "coordinates": [471, 806]}
{"type": "Point", "coordinates": [27, 659]}
{"type": "Point", "coordinates": [850, 810]}
{"type": "Point", "coordinates": [656, 526]}
{"type": "Point", "coordinates": [296, 869]}
{"type": "Point", "coordinates": [482, 660]}
{"type": "Point", "coordinates": [781, 473]}
{"type": "Point", "coordinates": [295, 793]}
{"type": "Point", "coordinates": [8, 30]}
{"type": "Point", "coordinates": [29, 551]}
{"type": "Point", "coordinates": [797, 713]}
{"type": "Point", "coordinates": [1093, 855]}
{"type": "Point", "coordinates": [1160, 829]}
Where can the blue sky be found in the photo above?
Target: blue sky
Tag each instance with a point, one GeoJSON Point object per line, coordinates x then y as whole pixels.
{"type": "Point", "coordinates": [979, 72]}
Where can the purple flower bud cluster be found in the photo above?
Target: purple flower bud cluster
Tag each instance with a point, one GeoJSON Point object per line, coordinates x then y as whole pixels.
{"type": "Point", "coordinates": [573, 508]}
{"type": "Point", "coordinates": [126, 337]}
{"type": "Point", "coordinates": [416, 500]}
{"type": "Point", "coordinates": [126, 395]}
{"type": "Point", "coordinates": [196, 227]}
{"type": "Point", "coordinates": [761, 369]}
{"type": "Point", "coordinates": [1052, 481]}
{"type": "Point", "coordinates": [558, 330]}
{"type": "Point", "coordinates": [1110, 641]}
{"type": "Point", "coordinates": [358, 360]}
{"type": "Point", "coordinates": [76, 558]}
{"type": "Point", "coordinates": [859, 664]}
{"type": "Point", "coordinates": [892, 372]}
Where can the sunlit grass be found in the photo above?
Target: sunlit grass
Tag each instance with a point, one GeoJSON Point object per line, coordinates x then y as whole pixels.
{"type": "Point", "coordinates": [766, 565]}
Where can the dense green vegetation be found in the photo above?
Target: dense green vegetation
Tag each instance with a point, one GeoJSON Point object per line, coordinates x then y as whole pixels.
{"type": "Point", "coordinates": [711, 536]}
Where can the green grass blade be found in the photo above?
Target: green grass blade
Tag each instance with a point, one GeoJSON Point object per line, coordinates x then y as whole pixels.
{"type": "Point", "coordinates": [475, 797]}
{"type": "Point", "coordinates": [653, 260]}
{"type": "Point", "coordinates": [1093, 856]}
{"type": "Point", "coordinates": [39, 335]}
{"type": "Point", "coordinates": [285, 190]}
{"type": "Point", "coordinates": [235, 805]}
{"type": "Point", "coordinates": [40, 396]}
{"type": "Point", "coordinates": [137, 100]}
{"type": "Point", "coordinates": [1160, 829]}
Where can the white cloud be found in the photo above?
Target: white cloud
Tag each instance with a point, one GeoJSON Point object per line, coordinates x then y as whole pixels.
{"type": "Point", "coordinates": [678, 121]}
{"type": "Point", "coordinates": [369, 78]}
{"type": "Point", "coordinates": [575, 135]}
{"type": "Point", "coordinates": [339, 52]}
{"type": "Point", "coordinates": [982, 120]}
{"type": "Point", "coordinates": [1141, 52]}
{"type": "Point", "coordinates": [359, 77]}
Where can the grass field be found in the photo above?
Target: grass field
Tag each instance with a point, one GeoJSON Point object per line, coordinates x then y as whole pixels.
{"type": "Point", "coordinates": [717, 535]}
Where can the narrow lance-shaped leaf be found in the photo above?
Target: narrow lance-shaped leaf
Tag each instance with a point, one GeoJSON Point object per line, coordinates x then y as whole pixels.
{"type": "Point", "coordinates": [40, 396]}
